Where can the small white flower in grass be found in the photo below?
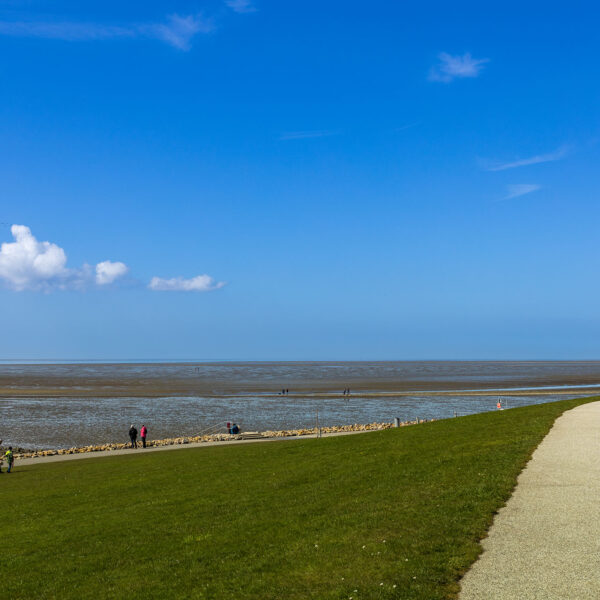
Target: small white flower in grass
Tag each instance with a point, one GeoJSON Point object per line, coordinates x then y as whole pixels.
{"type": "Point", "coordinates": [384, 541]}
{"type": "Point", "coordinates": [414, 577]}
{"type": "Point", "coordinates": [381, 583]}
{"type": "Point", "coordinates": [406, 559]}
{"type": "Point", "coordinates": [316, 545]}
{"type": "Point", "coordinates": [364, 547]}
{"type": "Point", "coordinates": [394, 585]}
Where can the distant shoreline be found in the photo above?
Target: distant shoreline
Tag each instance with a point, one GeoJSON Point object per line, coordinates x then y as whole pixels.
{"type": "Point", "coordinates": [223, 361]}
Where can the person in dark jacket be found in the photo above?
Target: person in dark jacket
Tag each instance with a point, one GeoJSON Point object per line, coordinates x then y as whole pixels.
{"type": "Point", "coordinates": [133, 436]}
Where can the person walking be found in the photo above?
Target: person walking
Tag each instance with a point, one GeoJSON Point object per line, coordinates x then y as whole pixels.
{"type": "Point", "coordinates": [133, 436]}
{"type": "Point", "coordinates": [143, 434]}
{"type": "Point", "coordinates": [10, 459]}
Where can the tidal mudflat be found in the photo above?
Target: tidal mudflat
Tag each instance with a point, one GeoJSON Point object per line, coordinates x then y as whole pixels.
{"type": "Point", "coordinates": [65, 405]}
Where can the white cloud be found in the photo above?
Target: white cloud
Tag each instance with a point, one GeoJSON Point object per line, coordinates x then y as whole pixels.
{"type": "Point", "coordinates": [200, 283]}
{"type": "Point", "coordinates": [241, 6]}
{"type": "Point", "coordinates": [453, 67]}
{"type": "Point", "coordinates": [107, 271]}
{"type": "Point", "coordinates": [177, 31]}
{"type": "Point", "coordinates": [533, 160]}
{"type": "Point", "coordinates": [520, 189]}
{"type": "Point", "coordinates": [28, 264]}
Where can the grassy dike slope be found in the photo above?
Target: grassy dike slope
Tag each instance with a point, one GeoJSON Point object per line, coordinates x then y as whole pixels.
{"type": "Point", "coordinates": [323, 518]}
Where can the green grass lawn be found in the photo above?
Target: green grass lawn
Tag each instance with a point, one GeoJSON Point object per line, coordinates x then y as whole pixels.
{"type": "Point", "coordinates": [390, 514]}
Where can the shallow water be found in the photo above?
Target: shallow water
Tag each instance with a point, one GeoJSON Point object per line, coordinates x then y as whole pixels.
{"type": "Point", "coordinates": [66, 422]}
{"type": "Point", "coordinates": [247, 394]}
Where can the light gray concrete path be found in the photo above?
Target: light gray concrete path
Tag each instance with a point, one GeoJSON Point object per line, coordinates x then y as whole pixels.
{"type": "Point", "coordinates": [130, 451]}
{"type": "Point", "coordinates": [545, 543]}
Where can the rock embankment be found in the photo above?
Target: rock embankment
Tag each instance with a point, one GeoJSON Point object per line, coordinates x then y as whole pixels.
{"type": "Point", "coordinates": [17, 450]}
{"type": "Point", "coordinates": [216, 437]}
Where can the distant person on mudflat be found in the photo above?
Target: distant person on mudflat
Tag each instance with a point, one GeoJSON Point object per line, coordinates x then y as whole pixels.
{"type": "Point", "coordinates": [133, 436]}
{"type": "Point", "coordinates": [143, 434]}
{"type": "Point", "coordinates": [235, 429]}
{"type": "Point", "coordinates": [10, 459]}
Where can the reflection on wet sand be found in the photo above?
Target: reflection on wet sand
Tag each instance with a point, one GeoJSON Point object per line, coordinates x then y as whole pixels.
{"type": "Point", "coordinates": [60, 406]}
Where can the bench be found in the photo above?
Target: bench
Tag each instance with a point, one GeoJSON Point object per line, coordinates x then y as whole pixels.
{"type": "Point", "coordinates": [251, 435]}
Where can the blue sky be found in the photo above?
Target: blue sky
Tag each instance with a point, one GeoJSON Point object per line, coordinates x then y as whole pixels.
{"type": "Point", "coordinates": [314, 180]}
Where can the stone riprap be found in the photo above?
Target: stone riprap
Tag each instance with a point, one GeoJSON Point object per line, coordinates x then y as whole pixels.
{"type": "Point", "coordinates": [215, 437]}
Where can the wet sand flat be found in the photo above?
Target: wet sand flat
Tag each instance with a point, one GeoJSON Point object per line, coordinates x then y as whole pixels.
{"type": "Point", "coordinates": [222, 379]}
{"type": "Point", "coordinates": [52, 406]}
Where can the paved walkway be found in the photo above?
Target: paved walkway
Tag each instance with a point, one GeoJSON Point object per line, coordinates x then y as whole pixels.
{"type": "Point", "coordinates": [545, 543]}
{"type": "Point", "coordinates": [130, 451]}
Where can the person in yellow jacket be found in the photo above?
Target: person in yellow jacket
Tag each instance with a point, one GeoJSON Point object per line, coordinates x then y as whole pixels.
{"type": "Point", "coordinates": [10, 459]}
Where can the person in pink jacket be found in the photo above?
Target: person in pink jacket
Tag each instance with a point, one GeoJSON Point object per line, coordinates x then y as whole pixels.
{"type": "Point", "coordinates": [143, 434]}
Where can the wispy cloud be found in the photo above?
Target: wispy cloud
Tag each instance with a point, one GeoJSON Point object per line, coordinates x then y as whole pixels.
{"type": "Point", "coordinates": [456, 67]}
{"type": "Point", "coordinates": [407, 126]}
{"type": "Point", "coordinates": [533, 160]}
{"type": "Point", "coordinates": [302, 135]}
{"type": "Point", "coordinates": [68, 31]}
{"type": "Point", "coordinates": [520, 189]}
{"type": "Point", "coordinates": [200, 283]}
{"type": "Point", "coordinates": [241, 6]}
{"type": "Point", "coordinates": [176, 31]}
